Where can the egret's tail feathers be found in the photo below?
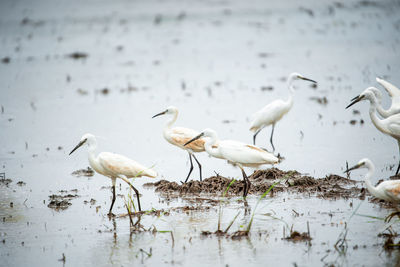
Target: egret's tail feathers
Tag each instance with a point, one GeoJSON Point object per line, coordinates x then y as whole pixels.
{"type": "Point", "coordinates": [254, 128]}
{"type": "Point", "coordinates": [150, 173]}
{"type": "Point", "coordinates": [270, 158]}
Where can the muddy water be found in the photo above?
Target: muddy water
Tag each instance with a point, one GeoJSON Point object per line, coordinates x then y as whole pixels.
{"type": "Point", "coordinates": [215, 61]}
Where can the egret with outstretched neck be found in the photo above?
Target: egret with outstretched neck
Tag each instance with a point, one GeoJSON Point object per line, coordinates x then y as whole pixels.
{"type": "Point", "coordinates": [178, 136]}
{"type": "Point", "coordinates": [387, 190]}
{"type": "Point", "coordinates": [389, 126]}
{"type": "Point", "coordinates": [236, 153]}
{"type": "Point", "coordinates": [274, 111]}
{"type": "Point", "coordinates": [114, 166]}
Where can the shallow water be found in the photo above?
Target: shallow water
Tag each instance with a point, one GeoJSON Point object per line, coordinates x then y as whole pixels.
{"type": "Point", "coordinates": [210, 59]}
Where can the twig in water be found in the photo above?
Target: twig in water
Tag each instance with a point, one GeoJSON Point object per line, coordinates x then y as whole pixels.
{"type": "Point", "coordinates": [229, 226]}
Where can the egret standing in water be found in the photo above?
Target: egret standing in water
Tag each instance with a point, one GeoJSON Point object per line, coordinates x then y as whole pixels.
{"type": "Point", "coordinates": [114, 166]}
{"type": "Point", "coordinates": [387, 190]}
{"type": "Point", "coordinates": [178, 136]}
{"type": "Point", "coordinates": [236, 153]}
{"type": "Point", "coordinates": [274, 111]}
{"type": "Point", "coordinates": [389, 126]}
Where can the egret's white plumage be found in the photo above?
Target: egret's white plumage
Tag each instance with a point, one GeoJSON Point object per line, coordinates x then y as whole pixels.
{"type": "Point", "coordinates": [389, 126]}
{"type": "Point", "coordinates": [114, 166]}
{"type": "Point", "coordinates": [178, 136]}
{"type": "Point", "coordinates": [274, 111]}
{"type": "Point", "coordinates": [387, 190]}
{"type": "Point", "coordinates": [236, 153]}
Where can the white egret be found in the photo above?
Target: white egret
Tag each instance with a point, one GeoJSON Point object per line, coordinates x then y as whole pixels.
{"type": "Point", "coordinates": [387, 190]}
{"type": "Point", "coordinates": [389, 126]}
{"type": "Point", "coordinates": [236, 153]}
{"type": "Point", "coordinates": [178, 136]}
{"type": "Point", "coordinates": [114, 166]}
{"type": "Point", "coordinates": [274, 111]}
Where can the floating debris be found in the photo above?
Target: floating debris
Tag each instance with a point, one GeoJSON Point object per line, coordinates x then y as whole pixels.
{"type": "Point", "coordinates": [89, 172]}
{"type": "Point", "coordinates": [320, 100]}
{"type": "Point", "coordinates": [78, 55]}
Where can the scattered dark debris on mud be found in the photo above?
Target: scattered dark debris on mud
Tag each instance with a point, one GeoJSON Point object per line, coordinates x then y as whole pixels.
{"type": "Point", "coordinates": [331, 186]}
{"type": "Point", "coordinates": [83, 172]}
{"type": "Point", "coordinates": [3, 180]}
{"type": "Point", "coordinates": [21, 183]}
{"type": "Point", "coordinates": [60, 202]}
{"type": "Point", "coordinates": [389, 237]}
{"type": "Point", "coordinates": [296, 236]}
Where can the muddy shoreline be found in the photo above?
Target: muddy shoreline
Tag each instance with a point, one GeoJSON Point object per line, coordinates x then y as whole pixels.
{"type": "Point", "coordinates": [331, 186]}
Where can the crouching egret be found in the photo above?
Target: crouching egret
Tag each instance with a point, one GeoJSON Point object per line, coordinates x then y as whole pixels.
{"type": "Point", "coordinates": [274, 111]}
{"type": "Point", "coordinates": [387, 190]}
{"type": "Point", "coordinates": [114, 166]}
{"type": "Point", "coordinates": [236, 153]}
{"type": "Point", "coordinates": [389, 126]}
{"type": "Point", "coordinates": [178, 136]}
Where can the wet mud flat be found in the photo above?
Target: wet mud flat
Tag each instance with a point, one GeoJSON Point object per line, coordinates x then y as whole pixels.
{"type": "Point", "coordinates": [332, 186]}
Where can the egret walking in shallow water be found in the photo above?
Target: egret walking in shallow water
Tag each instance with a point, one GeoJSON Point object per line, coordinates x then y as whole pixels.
{"type": "Point", "coordinates": [178, 136]}
{"type": "Point", "coordinates": [114, 166]}
{"type": "Point", "coordinates": [389, 126]}
{"type": "Point", "coordinates": [236, 153]}
{"type": "Point", "coordinates": [274, 111]}
{"type": "Point", "coordinates": [387, 190]}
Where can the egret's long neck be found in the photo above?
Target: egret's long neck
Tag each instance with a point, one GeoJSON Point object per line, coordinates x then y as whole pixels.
{"type": "Point", "coordinates": [374, 118]}
{"type": "Point", "coordinates": [289, 102]}
{"type": "Point", "coordinates": [171, 120]}
{"type": "Point", "coordinates": [92, 155]}
{"type": "Point", "coordinates": [383, 112]}
{"type": "Point", "coordinates": [213, 151]}
{"type": "Point", "coordinates": [370, 187]}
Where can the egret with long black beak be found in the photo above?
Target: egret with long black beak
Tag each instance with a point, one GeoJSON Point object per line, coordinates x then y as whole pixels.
{"type": "Point", "coordinates": [236, 153]}
{"type": "Point", "coordinates": [274, 111]}
{"type": "Point", "coordinates": [178, 136]}
{"type": "Point", "coordinates": [387, 190]}
{"type": "Point", "coordinates": [114, 166]}
{"type": "Point", "coordinates": [389, 126]}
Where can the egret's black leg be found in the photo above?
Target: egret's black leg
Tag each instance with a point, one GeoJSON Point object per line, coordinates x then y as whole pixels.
{"type": "Point", "coordinates": [137, 195]}
{"type": "Point", "coordinates": [113, 200]}
{"type": "Point", "coordinates": [254, 136]}
{"type": "Point", "coordinates": [198, 163]}
{"type": "Point", "coordinates": [272, 134]}
{"type": "Point", "coordinates": [191, 167]}
{"type": "Point", "coordinates": [246, 182]}
{"type": "Point", "coordinates": [398, 168]}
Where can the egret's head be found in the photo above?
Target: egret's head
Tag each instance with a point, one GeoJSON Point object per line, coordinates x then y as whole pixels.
{"type": "Point", "coordinates": [295, 75]}
{"type": "Point", "coordinates": [376, 92]}
{"type": "Point", "coordinates": [205, 133]}
{"type": "Point", "coordinates": [364, 163]}
{"type": "Point", "coordinates": [169, 110]}
{"type": "Point", "coordinates": [88, 139]}
{"type": "Point", "coordinates": [367, 94]}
